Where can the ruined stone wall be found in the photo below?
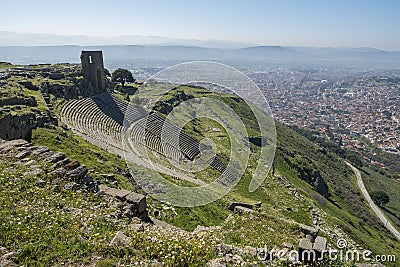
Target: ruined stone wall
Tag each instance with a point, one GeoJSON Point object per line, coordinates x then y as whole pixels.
{"type": "Point", "coordinates": [27, 101]}
{"type": "Point", "coordinates": [17, 127]}
{"type": "Point", "coordinates": [93, 70]}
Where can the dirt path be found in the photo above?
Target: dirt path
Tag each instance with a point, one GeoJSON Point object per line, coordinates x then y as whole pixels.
{"type": "Point", "coordinates": [373, 206]}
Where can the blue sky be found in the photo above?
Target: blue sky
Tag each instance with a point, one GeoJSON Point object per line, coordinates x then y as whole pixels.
{"type": "Point", "coordinates": [352, 23]}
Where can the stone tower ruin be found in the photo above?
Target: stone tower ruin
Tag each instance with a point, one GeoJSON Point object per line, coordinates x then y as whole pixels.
{"type": "Point", "coordinates": [93, 69]}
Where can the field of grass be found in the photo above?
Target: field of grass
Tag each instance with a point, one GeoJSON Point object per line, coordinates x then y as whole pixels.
{"type": "Point", "coordinates": [376, 182]}
{"type": "Point", "coordinates": [26, 207]}
{"type": "Point", "coordinates": [96, 159]}
{"type": "Point", "coordinates": [35, 248]}
{"type": "Point", "coordinates": [48, 228]}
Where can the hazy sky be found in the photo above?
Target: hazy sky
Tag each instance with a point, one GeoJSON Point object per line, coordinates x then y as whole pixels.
{"type": "Point", "coordinates": [353, 23]}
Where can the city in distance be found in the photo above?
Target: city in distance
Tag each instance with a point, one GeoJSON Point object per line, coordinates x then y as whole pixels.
{"type": "Point", "coordinates": [182, 133]}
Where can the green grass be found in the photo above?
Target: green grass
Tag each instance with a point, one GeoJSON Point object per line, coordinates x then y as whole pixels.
{"type": "Point", "coordinates": [14, 90]}
{"type": "Point", "coordinates": [36, 224]}
{"type": "Point", "coordinates": [32, 220]}
{"type": "Point", "coordinates": [96, 159]}
{"type": "Point", "coordinates": [260, 230]}
{"type": "Point", "coordinates": [6, 65]}
{"type": "Point", "coordinates": [64, 238]}
{"type": "Point", "coordinates": [346, 206]}
{"type": "Point", "coordinates": [300, 162]}
{"type": "Point", "coordinates": [375, 181]}
{"type": "Point", "coordinates": [212, 214]}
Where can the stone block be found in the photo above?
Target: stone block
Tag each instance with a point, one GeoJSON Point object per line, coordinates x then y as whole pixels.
{"type": "Point", "coordinates": [72, 165]}
{"type": "Point", "coordinates": [103, 188]}
{"type": "Point", "coordinates": [242, 210]}
{"type": "Point", "coordinates": [55, 158]}
{"type": "Point", "coordinates": [60, 163]}
{"type": "Point", "coordinates": [120, 239]}
{"type": "Point", "coordinates": [246, 205]}
{"type": "Point", "coordinates": [36, 150]}
{"type": "Point", "coordinates": [138, 201]}
{"type": "Point", "coordinates": [58, 173]}
{"type": "Point", "coordinates": [305, 244]}
{"type": "Point", "coordinates": [118, 193]}
{"type": "Point", "coordinates": [22, 154]}
{"type": "Point", "coordinates": [320, 244]}
{"type": "Point", "coordinates": [13, 143]}
{"type": "Point", "coordinates": [309, 230]}
{"type": "Point", "coordinates": [77, 173]}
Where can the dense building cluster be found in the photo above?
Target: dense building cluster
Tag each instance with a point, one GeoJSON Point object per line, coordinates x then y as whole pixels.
{"type": "Point", "coordinates": [345, 106]}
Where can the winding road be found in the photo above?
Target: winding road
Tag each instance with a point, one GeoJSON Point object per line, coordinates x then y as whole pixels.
{"type": "Point", "coordinates": [373, 206]}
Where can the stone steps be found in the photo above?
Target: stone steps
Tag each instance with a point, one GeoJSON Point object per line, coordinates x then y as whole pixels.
{"type": "Point", "coordinates": [53, 118]}
{"type": "Point", "coordinates": [101, 118]}
{"type": "Point", "coordinates": [77, 176]}
{"type": "Point", "coordinates": [85, 116]}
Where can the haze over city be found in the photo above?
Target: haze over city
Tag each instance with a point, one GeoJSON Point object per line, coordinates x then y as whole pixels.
{"type": "Point", "coordinates": [288, 23]}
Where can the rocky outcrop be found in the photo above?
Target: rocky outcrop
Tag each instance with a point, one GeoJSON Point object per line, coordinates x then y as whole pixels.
{"type": "Point", "coordinates": [307, 171]}
{"type": "Point", "coordinates": [260, 141]}
{"type": "Point", "coordinates": [77, 174]}
{"type": "Point", "coordinates": [321, 186]}
{"type": "Point", "coordinates": [236, 205]}
{"type": "Point", "coordinates": [56, 75]}
{"type": "Point", "coordinates": [120, 239]}
{"type": "Point", "coordinates": [17, 118]}
{"type": "Point", "coordinates": [19, 100]}
{"type": "Point", "coordinates": [29, 85]}
{"type": "Point", "coordinates": [59, 90]}
{"type": "Point", "coordinates": [17, 127]}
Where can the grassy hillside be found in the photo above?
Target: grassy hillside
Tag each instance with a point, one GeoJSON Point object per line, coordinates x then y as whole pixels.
{"type": "Point", "coordinates": [309, 184]}
{"type": "Point", "coordinates": [345, 207]}
{"type": "Point", "coordinates": [46, 227]}
{"type": "Point", "coordinates": [304, 165]}
{"type": "Point", "coordinates": [377, 182]}
{"type": "Point", "coordinates": [269, 227]}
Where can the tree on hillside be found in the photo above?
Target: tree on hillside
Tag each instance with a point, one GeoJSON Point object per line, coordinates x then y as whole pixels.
{"type": "Point", "coordinates": [122, 76]}
{"type": "Point", "coordinates": [107, 72]}
{"type": "Point", "coordinates": [380, 198]}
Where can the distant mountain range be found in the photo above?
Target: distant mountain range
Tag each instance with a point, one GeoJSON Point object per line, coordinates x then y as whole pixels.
{"type": "Point", "coordinates": [8, 38]}
{"type": "Point", "coordinates": [38, 48]}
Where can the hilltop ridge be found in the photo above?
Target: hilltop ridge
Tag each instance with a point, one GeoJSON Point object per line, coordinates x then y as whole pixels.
{"type": "Point", "coordinates": [258, 55]}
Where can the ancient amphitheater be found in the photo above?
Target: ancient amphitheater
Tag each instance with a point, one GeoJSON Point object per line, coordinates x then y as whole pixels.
{"type": "Point", "coordinates": [100, 120]}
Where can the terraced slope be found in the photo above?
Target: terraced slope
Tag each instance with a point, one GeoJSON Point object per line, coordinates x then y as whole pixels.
{"type": "Point", "coordinates": [99, 119]}
{"type": "Point", "coordinates": [301, 164]}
